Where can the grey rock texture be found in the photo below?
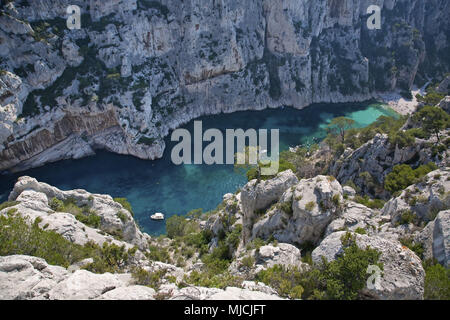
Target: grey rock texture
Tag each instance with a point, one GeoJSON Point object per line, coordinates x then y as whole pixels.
{"type": "Point", "coordinates": [83, 285]}
{"type": "Point", "coordinates": [268, 256]}
{"type": "Point", "coordinates": [159, 64]}
{"type": "Point", "coordinates": [230, 293]}
{"type": "Point", "coordinates": [435, 239]}
{"type": "Point", "coordinates": [302, 213]}
{"type": "Point", "coordinates": [368, 165]}
{"type": "Point", "coordinates": [403, 274]}
{"type": "Point", "coordinates": [34, 201]}
{"type": "Point", "coordinates": [258, 195]}
{"type": "Point", "coordinates": [424, 199]}
{"type": "Point", "coordinates": [25, 277]}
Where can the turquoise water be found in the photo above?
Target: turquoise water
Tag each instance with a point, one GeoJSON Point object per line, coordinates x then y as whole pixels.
{"type": "Point", "coordinates": [160, 186]}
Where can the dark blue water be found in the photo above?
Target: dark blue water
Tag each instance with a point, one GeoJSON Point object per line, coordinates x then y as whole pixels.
{"type": "Point", "coordinates": [160, 186]}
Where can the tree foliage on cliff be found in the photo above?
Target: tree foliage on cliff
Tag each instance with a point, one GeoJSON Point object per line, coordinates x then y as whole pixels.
{"type": "Point", "coordinates": [432, 120]}
{"type": "Point", "coordinates": [341, 279]}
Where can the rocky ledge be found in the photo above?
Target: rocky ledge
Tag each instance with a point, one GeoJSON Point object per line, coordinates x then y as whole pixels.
{"type": "Point", "coordinates": [293, 213]}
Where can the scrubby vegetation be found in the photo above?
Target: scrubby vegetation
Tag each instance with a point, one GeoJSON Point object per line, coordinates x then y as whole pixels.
{"type": "Point", "coordinates": [437, 281]}
{"type": "Point", "coordinates": [124, 202]}
{"type": "Point", "coordinates": [432, 120]}
{"type": "Point", "coordinates": [21, 236]}
{"type": "Point", "coordinates": [84, 214]}
{"type": "Point", "coordinates": [8, 204]}
{"type": "Point", "coordinates": [370, 203]}
{"type": "Point", "coordinates": [342, 279]}
{"type": "Point", "coordinates": [146, 278]}
{"type": "Point", "coordinates": [403, 176]}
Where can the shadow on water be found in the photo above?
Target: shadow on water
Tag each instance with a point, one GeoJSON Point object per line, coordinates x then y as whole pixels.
{"type": "Point", "coordinates": [161, 186]}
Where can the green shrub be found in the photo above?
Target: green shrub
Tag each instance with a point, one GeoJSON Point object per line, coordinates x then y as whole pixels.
{"type": "Point", "coordinates": [8, 204]}
{"type": "Point", "coordinates": [402, 139]}
{"type": "Point", "coordinates": [370, 203]}
{"type": "Point", "coordinates": [158, 253]}
{"type": "Point", "coordinates": [143, 277]}
{"type": "Point", "coordinates": [56, 205]}
{"type": "Point", "coordinates": [122, 216]}
{"type": "Point", "coordinates": [360, 230]}
{"type": "Point", "coordinates": [233, 238]}
{"type": "Point", "coordinates": [248, 262]}
{"type": "Point", "coordinates": [310, 206]}
{"type": "Point", "coordinates": [336, 200]}
{"type": "Point", "coordinates": [432, 119]}
{"type": "Point", "coordinates": [285, 281]}
{"type": "Point", "coordinates": [407, 217]}
{"type": "Point", "coordinates": [19, 236]}
{"type": "Point", "coordinates": [255, 244]}
{"type": "Point", "coordinates": [124, 202]}
{"type": "Point", "coordinates": [109, 258]}
{"type": "Point", "coordinates": [178, 226]}
{"type": "Point", "coordinates": [287, 207]}
{"type": "Point", "coordinates": [417, 248]}
{"type": "Point", "coordinates": [403, 176]}
{"type": "Point", "coordinates": [437, 282]}
{"type": "Point", "coordinates": [342, 279]}
{"type": "Point", "coordinates": [345, 277]}
{"type": "Point", "coordinates": [91, 219]}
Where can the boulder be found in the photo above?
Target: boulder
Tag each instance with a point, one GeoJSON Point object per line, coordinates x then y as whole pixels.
{"type": "Point", "coordinates": [129, 293]}
{"type": "Point", "coordinates": [303, 212]}
{"type": "Point", "coordinates": [354, 216]}
{"type": "Point", "coordinates": [349, 191]}
{"type": "Point", "coordinates": [85, 285]}
{"type": "Point", "coordinates": [26, 277]}
{"type": "Point", "coordinates": [268, 256]}
{"type": "Point", "coordinates": [424, 199]}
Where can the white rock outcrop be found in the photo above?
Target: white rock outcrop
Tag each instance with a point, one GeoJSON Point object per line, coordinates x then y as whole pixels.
{"type": "Point", "coordinates": [302, 214]}
{"type": "Point", "coordinates": [34, 199]}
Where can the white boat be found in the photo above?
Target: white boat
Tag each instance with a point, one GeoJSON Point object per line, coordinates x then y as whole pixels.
{"type": "Point", "coordinates": [157, 216]}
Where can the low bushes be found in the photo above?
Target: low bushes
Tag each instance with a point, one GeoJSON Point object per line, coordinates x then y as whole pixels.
{"type": "Point", "coordinates": [403, 176]}
{"type": "Point", "coordinates": [437, 282]}
{"type": "Point", "coordinates": [20, 236]}
{"type": "Point", "coordinates": [124, 202]}
{"type": "Point", "coordinates": [341, 279]}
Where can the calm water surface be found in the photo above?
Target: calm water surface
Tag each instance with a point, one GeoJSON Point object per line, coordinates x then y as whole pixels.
{"type": "Point", "coordinates": [160, 186]}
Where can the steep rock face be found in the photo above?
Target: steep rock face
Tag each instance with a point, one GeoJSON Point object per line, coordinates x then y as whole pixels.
{"type": "Point", "coordinates": [368, 165]}
{"type": "Point", "coordinates": [435, 238]}
{"type": "Point", "coordinates": [258, 195]}
{"type": "Point", "coordinates": [403, 274]}
{"type": "Point", "coordinates": [163, 63]}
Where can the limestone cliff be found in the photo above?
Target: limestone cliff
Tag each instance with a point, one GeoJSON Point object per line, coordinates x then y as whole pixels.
{"type": "Point", "coordinates": [159, 64]}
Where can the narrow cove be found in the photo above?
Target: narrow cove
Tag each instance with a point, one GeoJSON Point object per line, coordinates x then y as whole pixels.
{"type": "Point", "coordinates": [161, 186]}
